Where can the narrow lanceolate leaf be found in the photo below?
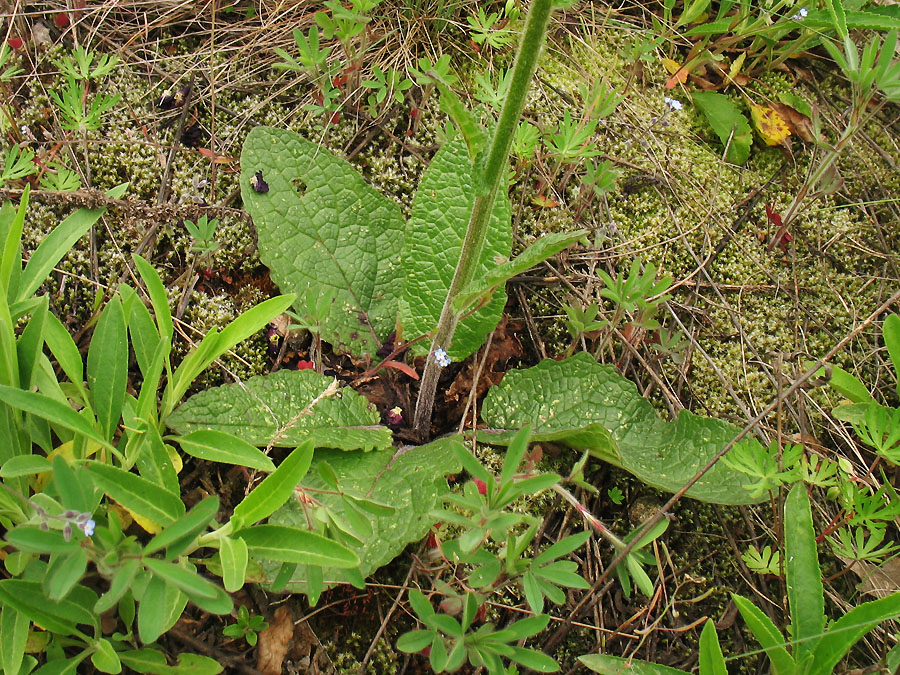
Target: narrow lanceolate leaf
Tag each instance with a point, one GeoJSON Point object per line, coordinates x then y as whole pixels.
{"type": "Point", "coordinates": [218, 446]}
{"type": "Point", "coordinates": [545, 247]}
{"type": "Point", "coordinates": [711, 660]}
{"type": "Point", "coordinates": [191, 524]}
{"type": "Point", "coordinates": [137, 494]}
{"type": "Point", "coordinates": [851, 628]}
{"type": "Point", "coordinates": [293, 545]}
{"type": "Point", "coordinates": [768, 635]}
{"type": "Point", "coordinates": [51, 410]}
{"type": "Point", "coordinates": [62, 617]}
{"type": "Point", "coordinates": [275, 489]}
{"type": "Point", "coordinates": [13, 637]}
{"type": "Point", "coordinates": [572, 395]}
{"type": "Point", "coordinates": [285, 408]}
{"type": "Point", "coordinates": [323, 230]}
{"type": "Point", "coordinates": [188, 581]}
{"type": "Point", "coordinates": [438, 222]}
{"type": "Point", "coordinates": [107, 366]}
{"type": "Point", "coordinates": [54, 246]}
{"type": "Point", "coordinates": [804, 578]}
{"type": "Point", "coordinates": [617, 665]}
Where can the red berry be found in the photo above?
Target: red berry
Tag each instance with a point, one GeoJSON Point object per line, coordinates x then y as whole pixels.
{"type": "Point", "coordinates": [61, 20]}
{"type": "Point", "coordinates": [15, 42]}
{"type": "Point", "coordinates": [482, 486]}
{"type": "Point", "coordinates": [305, 365]}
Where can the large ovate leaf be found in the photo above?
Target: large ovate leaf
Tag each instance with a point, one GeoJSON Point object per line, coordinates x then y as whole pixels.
{"type": "Point", "coordinates": [323, 230]}
{"type": "Point", "coordinates": [279, 407]}
{"type": "Point", "coordinates": [437, 224]}
{"type": "Point", "coordinates": [413, 483]}
{"type": "Point", "coordinates": [574, 394]}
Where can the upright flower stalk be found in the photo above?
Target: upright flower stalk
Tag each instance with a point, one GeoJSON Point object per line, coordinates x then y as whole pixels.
{"type": "Point", "coordinates": [489, 177]}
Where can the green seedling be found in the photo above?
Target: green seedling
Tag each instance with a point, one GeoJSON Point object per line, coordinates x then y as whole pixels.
{"type": "Point", "coordinates": [245, 626]}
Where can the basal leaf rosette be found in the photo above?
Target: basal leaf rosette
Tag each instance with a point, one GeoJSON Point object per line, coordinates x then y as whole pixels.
{"type": "Point", "coordinates": [289, 406]}
{"type": "Point", "coordinates": [566, 401]}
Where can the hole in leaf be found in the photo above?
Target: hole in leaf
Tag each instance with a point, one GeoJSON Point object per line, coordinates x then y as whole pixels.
{"type": "Point", "coordinates": [299, 186]}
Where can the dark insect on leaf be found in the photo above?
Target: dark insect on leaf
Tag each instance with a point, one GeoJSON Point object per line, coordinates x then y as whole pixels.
{"type": "Point", "coordinates": [258, 184]}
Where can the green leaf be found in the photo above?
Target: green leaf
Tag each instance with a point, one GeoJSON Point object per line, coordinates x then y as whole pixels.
{"type": "Point", "coordinates": [36, 540]}
{"type": "Point", "coordinates": [107, 366]}
{"type": "Point", "coordinates": [13, 638]}
{"type": "Point", "coordinates": [294, 545]}
{"type": "Point", "coordinates": [158, 298]}
{"type": "Point", "coordinates": [64, 349]}
{"type": "Point", "coordinates": [711, 660]}
{"type": "Point", "coordinates": [891, 332]}
{"type": "Point", "coordinates": [64, 571]}
{"type": "Point", "coordinates": [845, 384]}
{"type": "Point", "coordinates": [804, 579]}
{"type": "Point", "coordinates": [214, 345]}
{"type": "Point", "coordinates": [137, 494]}
{"type": "Point", "coordinates": [616, 665]}
{"type": "Point", "coordinates": [219, 446]}
{"type": "Point", "coordinates": [578, 392]}
{"type": "Point", "coordinates": [121, 582]}
{"type": "Point", "coordinates": [593, 437]}
{"type": "Point", "coordinates": [233, 554]}
{"type": "Point", "coordinates": [533, 659]}
{"type": "Point", "coordinates": [105, 658]}
{"type": "Point", "coordinates": [162, 605]}
{"type": "Point", "coordinates": [850, 628]}
{"type": "Point", "coordinates": [277, 406]}
{"type": "Point", "coordinates": [24, 465]}
{"type": "Point", "coordinates": [725, 118]}
{"type": "Point", "coordinates": [187, 527]}
{"type": "Point", "coordinates": [30, 344]}
{"type": "Point", "coordinates": [28, 598]}
{"type": "Point", "coordinates": [692, 12]}
{"type": "Point", "coordinates": [53, 247]}
{"type": "Point", "coordinates": [50, 409]}
{"type": "Point", "coordinates": [153, 661]}
{"type": "Point", "coordinates": [323, 230]}
{"type": "Point", "coordinates": [188, 581]}
{"type": "Point", "coordinates": [414, 641]}
{"type": "Point", "coordinates": [413, 484]}
{"type": "Point", "coordinates": [838, 18]}
{"type": "Point", "coordinates": [767, 634]}
{"type": "Point", "coordinates": [275, 489]}
{"type": "Point", "coordinates": [437, 224]}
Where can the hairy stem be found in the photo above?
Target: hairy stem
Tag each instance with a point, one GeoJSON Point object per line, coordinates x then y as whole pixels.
{"type": "Point", "coordinates": [488, 182]}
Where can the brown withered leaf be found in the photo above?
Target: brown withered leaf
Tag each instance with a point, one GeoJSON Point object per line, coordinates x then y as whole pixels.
{"type": "Point", "coordinates": [275, 641]}
{"type": "Point", "coordinates": [878, 580]}
{"type": "Point", "coordinates": [797, 122]}
{"type": "Point", "coordinates": [505, 346]}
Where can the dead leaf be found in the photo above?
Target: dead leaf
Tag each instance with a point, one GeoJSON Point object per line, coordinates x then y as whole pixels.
{"type": "Point", "coordinates": [218, 159]}
{"type": "Point", "coordinates": [678, 72]}
{"type": "Point", "coordinates": [771, 126]}
{"type": "Point", "coordinates": [275, 641]}
{"type": "Point", "coordinates": [878, 580]}
{"type": "Point", "coordinates": [544, 202]}
{"type": "Point", "coordinates": [798, 123]}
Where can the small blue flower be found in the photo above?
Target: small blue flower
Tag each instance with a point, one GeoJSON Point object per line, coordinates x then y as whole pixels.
{"type": "Point", "coordinates": [673, 103]}
{"type": "Point", "coordinates": [441, 358]}
{"type": "Point", "coordinates": [799, 16]}
{"type": "Point", "coordinates": [88, 527]}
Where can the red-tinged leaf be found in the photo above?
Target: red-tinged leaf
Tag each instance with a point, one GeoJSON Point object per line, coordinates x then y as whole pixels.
{"type": "Point", "coordinates": [544, 202]}
{"type": "Point", "coordinates": [679, 73]}
{"type": "Point", "coordinates": [403, 368]}
{"type": "Point", "coordinates": [218, 159]}
{"type": "Point", "coordinates": [773, 215]}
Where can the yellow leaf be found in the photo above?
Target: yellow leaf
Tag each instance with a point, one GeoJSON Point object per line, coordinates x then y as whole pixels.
{"type": "Point", "coordinates": [771, 126]}
{"type": "Point", "coordinates": [671, 66]}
